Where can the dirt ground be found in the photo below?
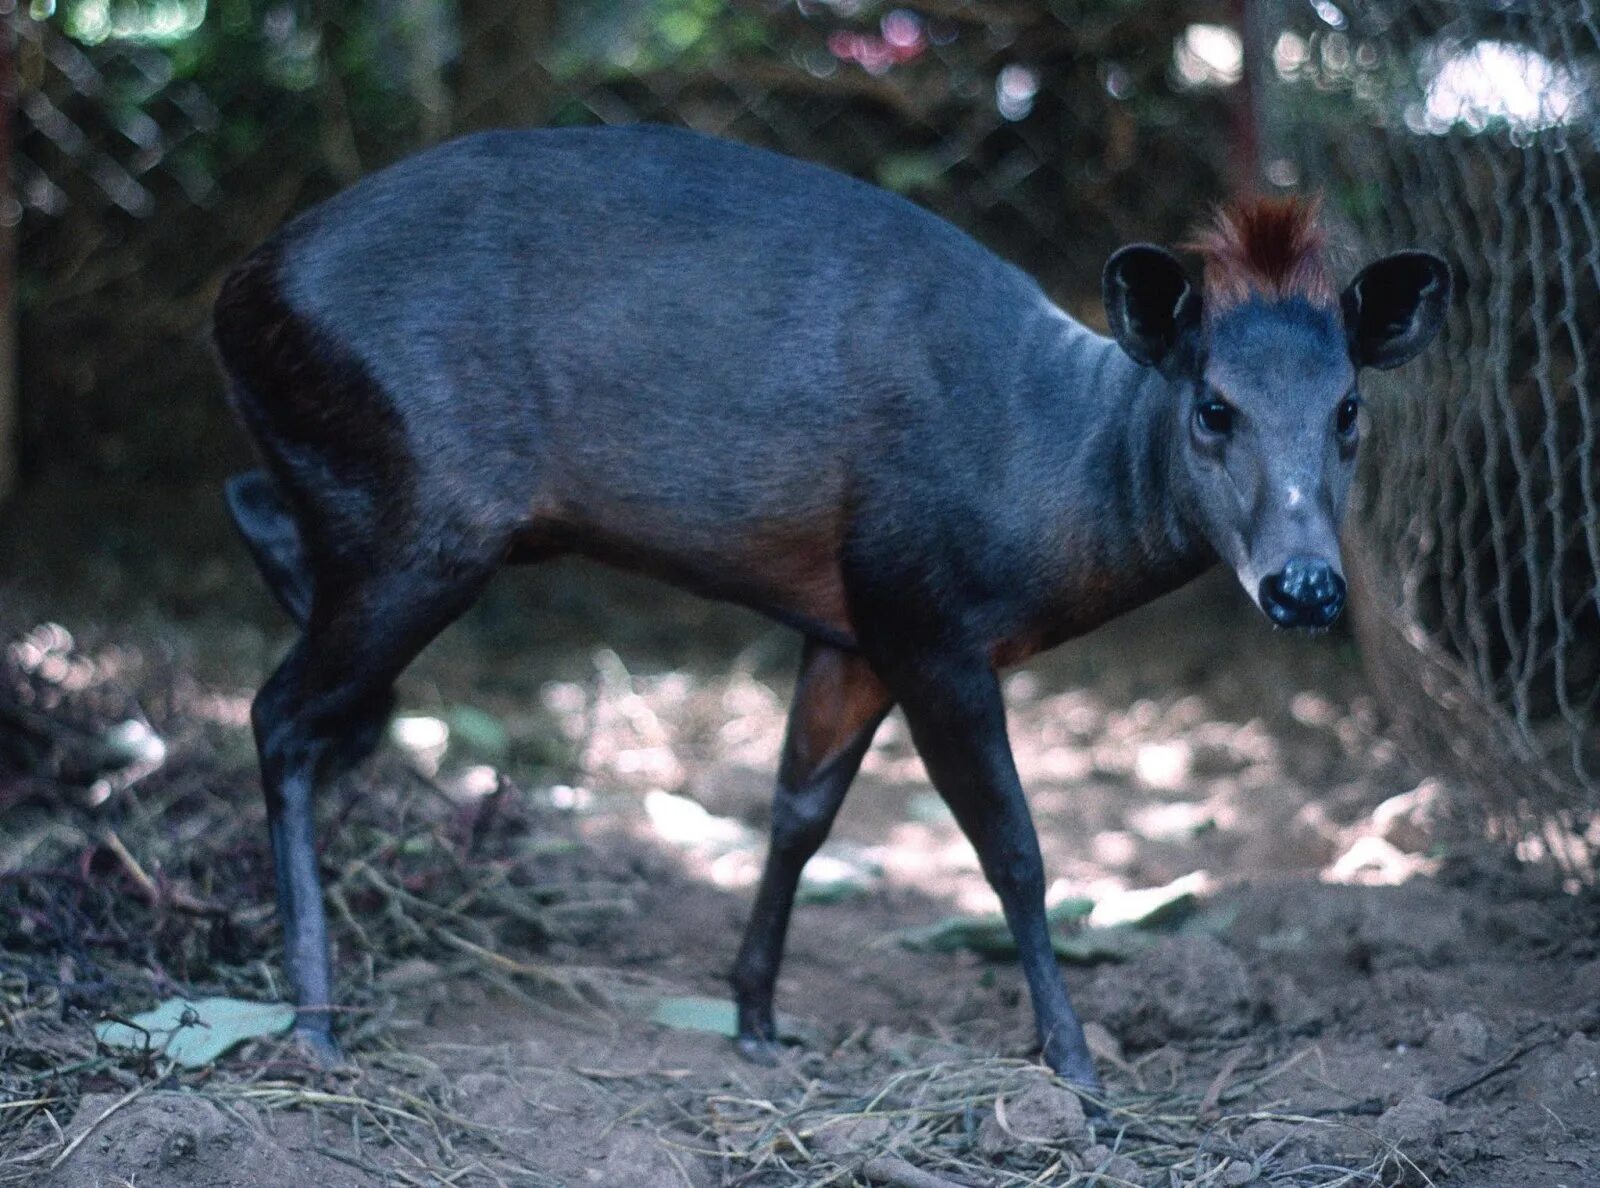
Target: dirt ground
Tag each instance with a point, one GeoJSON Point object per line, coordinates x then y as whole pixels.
{"type": "Point", "coordinates": [566, 830]}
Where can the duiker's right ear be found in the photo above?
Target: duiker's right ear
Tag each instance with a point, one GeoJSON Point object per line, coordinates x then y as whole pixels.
{"type": "Point", "coordinates": [1395, 307]}
{"type": "Point", "coordinates": [1150, 303]}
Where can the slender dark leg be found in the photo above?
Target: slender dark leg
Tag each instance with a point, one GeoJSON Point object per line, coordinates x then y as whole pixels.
{"type": "Point", "coordinates": [319, 713]}
{"type": "Point", "coordinates": [957, 720]}
{"type": "Point", "coordinates": [289, 756]}
{"type": "Point", "coordinates": [838, 704]}
{"type": "Point", "coordinates": [273, 538]}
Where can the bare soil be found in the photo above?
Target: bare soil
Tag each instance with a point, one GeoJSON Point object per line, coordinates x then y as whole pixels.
{"type": "Point", "coordinates": [1356, 997]}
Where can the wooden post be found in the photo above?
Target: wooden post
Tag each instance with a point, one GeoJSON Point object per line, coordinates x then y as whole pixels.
{"type": "Point", "coordinates": [1247, 98]}
{"type": "Point", "coordinates": [10, 221]}
{"type": "Point", "coordinates": [1264, 154]}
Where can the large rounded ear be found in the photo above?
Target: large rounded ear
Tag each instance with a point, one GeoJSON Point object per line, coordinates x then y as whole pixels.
{"type": "Point", "coordinates": [1395, 307]}
{"type": "Point", "coordinates": [1150, 303]}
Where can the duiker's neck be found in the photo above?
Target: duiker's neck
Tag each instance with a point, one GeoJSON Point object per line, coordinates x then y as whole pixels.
{"type": "Point", "coordinates": [1127, 496]}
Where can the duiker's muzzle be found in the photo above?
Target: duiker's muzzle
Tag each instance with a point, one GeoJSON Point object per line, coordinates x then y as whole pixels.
{"type": "Point", "coordinates": [1307, 592]}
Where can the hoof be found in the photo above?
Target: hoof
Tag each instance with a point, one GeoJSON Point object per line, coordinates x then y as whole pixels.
{"type": "Point", "coordinates": [321, 1050]}
{"type": "Point", "coordinates": [1078, 1071]}
{"type": "Point", "coordinates": [760, 1050]}
{"type": "Point", "coordinates": [1093, 1100]}
{"type": "Point", "coordinates": [1091, 1092]}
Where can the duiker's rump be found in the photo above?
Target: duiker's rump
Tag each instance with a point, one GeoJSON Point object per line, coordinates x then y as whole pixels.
{"type": "Point", "coordinates": [774, 385]}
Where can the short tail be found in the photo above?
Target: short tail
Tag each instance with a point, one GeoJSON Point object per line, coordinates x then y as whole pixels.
{"type": "Point", "coordinates": [269, 528]}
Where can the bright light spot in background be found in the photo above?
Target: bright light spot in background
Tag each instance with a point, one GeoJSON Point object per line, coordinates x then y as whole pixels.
{"type": "Point", "coordinates": [902, 29]}
{"type": "Point", "coordinates": [477, 782]}
{"type": "Point", "coordinates": [1283, 173]}
{"type": "Point", "coordinates": [1015, 90]}
{"type": "Point", "coordinates": [422, 737]}
{"type": "Point", "coordinates": [94, 21]}
{"type": "Point", "coordinates": [1329, 12]}
{"type": "Point", "coordinates": [1290, 55]}
{"type": "Point", "coordinates": [903, 39]}
{"type": "Point", "coordinates": [1163, 765]}
{"type": "Point", "coordinates": [682, 821]}
{"type": "Point", "coordinates": [1497, 82]}
{"type": "Point", "coordinates": [1373, 862]}
{"type": "Point", "coordinates": [1118, 82]}
{"type": "Point", "coordinates": [1209, 56]}
{"type": "Point", "coordinates": [570, 799]}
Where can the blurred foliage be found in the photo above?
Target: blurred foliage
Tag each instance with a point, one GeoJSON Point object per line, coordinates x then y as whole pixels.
{"type": "Point", "coordinates": [147, 163]}
{"type": "Point", "coordinates": [159, 139]}
{"type": "Point", "coordinates": [1470, 130]}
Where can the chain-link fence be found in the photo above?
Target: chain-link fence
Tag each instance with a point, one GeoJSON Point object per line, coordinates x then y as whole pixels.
{"type": "Point", "coordinates": [155, 142]}
{"type": "Point", "coordinates": [159, 140]}
{"type": "Point", "coordinates": [1470, 129]}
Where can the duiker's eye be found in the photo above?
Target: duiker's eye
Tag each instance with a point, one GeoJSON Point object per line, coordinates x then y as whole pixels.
{"type": "Point", "coordinates": [1215, 415]}
{"type": "Point", "coordinates": [1344, 420]}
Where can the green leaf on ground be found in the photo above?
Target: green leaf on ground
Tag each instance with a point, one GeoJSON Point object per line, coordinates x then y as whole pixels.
{"type": "Point", "coordinates": [195, 1032]}
{"type": "Point", "coordinates": [1091, 945]}
{"type": "Point", "coordinates": [1081, 930]}
{"type": "Point", "coordinates": [1151, 907]}
{"type": "Point", "coordinates": [716, 1016]}
{"type": "Point", "coordinates": [692, 1013]}
{"type": "Point", "coordinates": [987, 935]}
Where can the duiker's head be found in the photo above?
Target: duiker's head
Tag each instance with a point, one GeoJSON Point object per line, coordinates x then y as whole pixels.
{"type": "Point", "coordinates": [1265, 362]}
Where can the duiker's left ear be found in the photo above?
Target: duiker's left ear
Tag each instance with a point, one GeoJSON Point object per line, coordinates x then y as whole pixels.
{"type": "Point", "coordinates": [1395, 307]}
{"type": "Point", "coordinates": [1150, 304]}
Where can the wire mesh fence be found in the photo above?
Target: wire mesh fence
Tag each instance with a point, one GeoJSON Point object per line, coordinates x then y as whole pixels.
{"type": "Point", "coordinates": [158, 141]}
{"type": "Point", "coordinates": [155, 142]}
{"type": "Point", "coordinates": [1469, 129]}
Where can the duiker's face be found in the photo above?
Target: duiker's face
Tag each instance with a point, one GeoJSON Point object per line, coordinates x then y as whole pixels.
{"type": "Point", "coordinates": [1268, 409]}
{"type": "Point", "coordinates": [1269, 446]}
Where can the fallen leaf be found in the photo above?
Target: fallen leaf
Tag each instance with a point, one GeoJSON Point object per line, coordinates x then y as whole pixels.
{"type": "Point", "coordinates": [195, 1032]}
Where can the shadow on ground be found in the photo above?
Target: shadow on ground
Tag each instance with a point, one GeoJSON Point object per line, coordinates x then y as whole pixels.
{"type": "Point", "coordinates": [565, 833]}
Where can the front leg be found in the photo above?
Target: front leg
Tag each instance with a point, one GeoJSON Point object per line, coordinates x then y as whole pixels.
{"type": "Point", "coordinates": [838, 704]}
{"type": "Point", "coordinates": [958, 722]}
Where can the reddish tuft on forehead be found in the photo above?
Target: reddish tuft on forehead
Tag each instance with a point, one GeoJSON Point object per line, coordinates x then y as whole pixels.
{"type": "Point", "coordinates": [1270, 247]}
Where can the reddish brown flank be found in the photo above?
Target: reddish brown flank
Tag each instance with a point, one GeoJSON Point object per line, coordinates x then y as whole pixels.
{"type": "Point", "coordinates": [1271, 247]}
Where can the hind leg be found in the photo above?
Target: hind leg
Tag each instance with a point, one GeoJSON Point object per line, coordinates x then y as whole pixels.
{"type": "Point", "coordinates": [838, 704]}
{"type": "Point", "coordinates": [268, 526]}
{"type": "Point", "coordinates": [314, 716]}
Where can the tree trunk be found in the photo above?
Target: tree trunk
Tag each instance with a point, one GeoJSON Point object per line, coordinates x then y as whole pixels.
{"type": "Point", "coordinates": [10, 220]}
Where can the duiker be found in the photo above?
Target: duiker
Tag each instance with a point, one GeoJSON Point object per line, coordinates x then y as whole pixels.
{"type": "Point", "coordinates": [774, 385]}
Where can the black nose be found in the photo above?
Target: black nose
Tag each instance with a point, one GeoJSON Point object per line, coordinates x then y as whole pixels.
{"type": "Point", "coordinates": [1307, 593]}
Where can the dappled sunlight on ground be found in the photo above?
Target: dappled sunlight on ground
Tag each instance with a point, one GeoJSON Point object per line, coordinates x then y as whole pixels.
{"type": "Point", "coordinates": [568, 822]}
{"type": "Point", "coordinates": [1145, 757]}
